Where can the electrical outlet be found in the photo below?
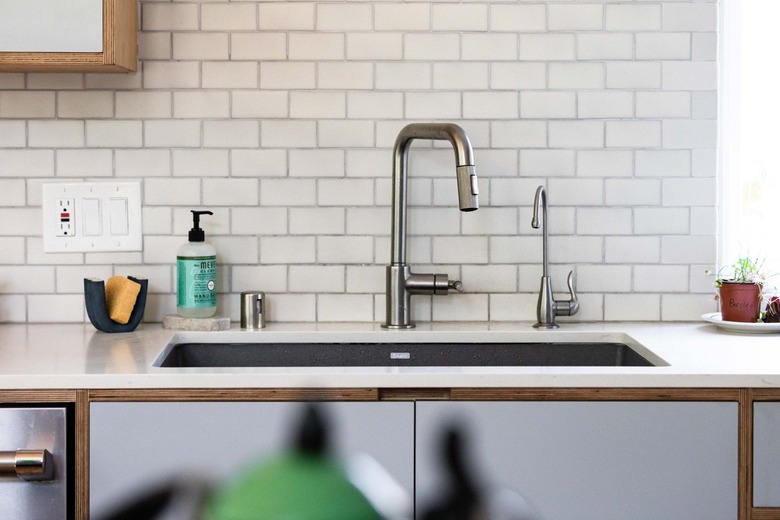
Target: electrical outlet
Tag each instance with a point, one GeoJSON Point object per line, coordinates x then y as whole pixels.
{"type": "Point", "coordinates": [66, 216]}
{"type": "Point", "coordinates": [88, 217]}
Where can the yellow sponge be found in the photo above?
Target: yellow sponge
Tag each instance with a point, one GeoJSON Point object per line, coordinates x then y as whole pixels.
{"type": "Point", "coordinates": [121, 294]}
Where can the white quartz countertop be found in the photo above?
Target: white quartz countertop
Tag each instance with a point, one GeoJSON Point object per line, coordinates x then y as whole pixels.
{"type": "Point", "coordinates": [49, 356]}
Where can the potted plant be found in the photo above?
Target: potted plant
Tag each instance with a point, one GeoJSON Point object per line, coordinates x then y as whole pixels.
{"type": "Point", "coordinates": [740, 290]}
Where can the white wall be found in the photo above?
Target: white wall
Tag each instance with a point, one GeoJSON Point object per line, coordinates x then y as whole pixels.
{"type": "Point", "coordinates": [280, 117]}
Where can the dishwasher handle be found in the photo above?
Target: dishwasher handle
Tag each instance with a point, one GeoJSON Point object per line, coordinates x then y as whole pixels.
{"type": "Point", "coordinates": [28, 465]}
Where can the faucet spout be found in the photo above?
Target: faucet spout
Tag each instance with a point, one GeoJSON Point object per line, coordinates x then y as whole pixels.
{"type": "Point", "coordinates": [401, 282]}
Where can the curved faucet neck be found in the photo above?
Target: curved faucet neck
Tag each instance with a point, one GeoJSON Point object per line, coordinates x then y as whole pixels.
{"type": "Point", "coordinates": [541, 196]}
{"type": "Point", "coordinates": [464, 157]}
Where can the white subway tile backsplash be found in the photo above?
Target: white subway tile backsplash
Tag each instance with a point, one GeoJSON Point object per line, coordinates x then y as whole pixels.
{"type": "Point", "coordinates": [281, 118]}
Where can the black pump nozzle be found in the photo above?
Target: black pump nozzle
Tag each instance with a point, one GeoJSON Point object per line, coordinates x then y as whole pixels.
{"type": "Point", "coordinates": [197, 234]}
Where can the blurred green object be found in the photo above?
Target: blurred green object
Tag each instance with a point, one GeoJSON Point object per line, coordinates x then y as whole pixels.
{"type": "Point", "coordinates": [294, 486]}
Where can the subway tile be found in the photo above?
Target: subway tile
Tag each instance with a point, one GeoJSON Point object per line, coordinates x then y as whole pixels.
{"type": "Point", "coordinates": [687, 75]}
{"type": "Point", "coordinates": [345, 249]}
{"type": "Point", "coordinates": [345, 133]}
{"type": "Point", "coordinates": [200, 46]}
{"type": "Point", "coordinates": [26, 163]}
{"type": "Point", "coordinates": [317, 279]}
{"type": "Point", "coordinates": [663, 46]}
{"type": "Point", "coordinates": [688, 249]}
{"type": "Point", "coordinates": [518, 76]}
{"type": "Point", "coordinates": [605, 46]}
{"type": "Point", "coordinates": [663, 163]}
{"type": "Point", "coordinates": [704, 46]}
{"type": "Point", "coordinates": [518, 134]}
{"type": "Point", "coordinates": [315, 46]}
{"type": "Point", "coordinates": [686, 307]}
{"type": "Point", "coordinates": [605, 105]}
{"type": "Point", "coordinates": [13, 192]}
{"type": "Point", "coordinates": [663, 104]}
{"type": "Point", "coordinates": [288, 192]}
{"type": "Point", "coordinates": [55, 134]}
{"type": "Point", "coordinates": [403, 76]}
{"type": "Point", "coordinates": [365, 279]}
{"type": "Point", "coordinates": [604, 278]}
{"type": "Point", "coordinates": [201, 104]}
{"type": "Point", "coordinates": [140, 163]}
{"type": "Point", "coordinates": [401, 17]}
{"type": "Point", "coordinates": [514, 17]}
{"type": "Point", "coordinates": [547, 47]}
{"type": "Point", "coordinates": [604, 221]}
{"type": "Point", "coordinates": [375, 105]}
{"type": "Point", "coordinates": [114, 134]}
{"type": "Point", "coordinates": [172, 133]}
{"type": "Point", "coordinates": [12, 134]}
{"type": "Point", "coordinates": [200, 163]}
{"type": "Point", "coordinates": [230, 192]}
{"type": "Point", "coordinates": [258, 163]}
{"type": "Point", "coordinates": [258, 221]}
{"type": "Point", "coordinates": [368, 221]}
{"type": "Point", "coordinates": [288, 250]}
{"type": "Point", "coordinates": [489, 47]}
{"type": "Point", "coordinates": [690, 133]}
{"type": "Point", "coordinates": [689, 192]}
{"type": "Point", "coordinates": [169, 17]}
{"type": "Point", "coordinates": [171, 75]}
{"type": "Point", "coordinates": [265, 278]}
{"type": "Point", "coordinates": [55, 308]}
{"type": "Point", "coordinates": [632, 307]}
{"type": "Point", "coordinates": [286, 16]}
{"type": "Point", "coordinates": [345, 307]}
{"type": "Point", "coordinates": [490, 278]}
{"type": "Point", "coordinates": [85, 163]}
{"type": "Point", "coordinates": [661, 221]}
{"type": "Point", "coordinates": [632, 250]}
{"type": "Point", "coordinates": [26, 104]}
{"type": "Point", "coordinates": [430, 46]}
{"type": "Point", "coordinates": [259, 104]}
{"type": "Point", "coordinates": [460, 249]}
{"type": "Point", "coordinates": [633, 75]}
{"type": "Point", "coordinates": [633, 134]}
{"type": "Point", "coordinates": [171, 192]}
{"type": "Point", "coordinates": [85, 105]}
{"type": "Point", "coordinates": [345, 192]}
{"type": "Point", "coordinates": [138, 105]}
{"type": "Point", "coordinates": [287, 75]}
{"type": "Point", "coordinates": [570, 17]}
{"type": "Point", "coordinates": [229, 74]}
{"type": "Point", "coordinates": [258, 46]}
{"type": "Point", "coordinates": [317, 221]}
{"type": "Point", "coordinates": [628, 17]}
{"type": "Point", "coordinates": [228, 17]}
{"type": "Point", "coordinates": [375, 46]}
{"type": "Point", "coordinates": [460, 76]}
{"type": "Point", "coordinates": [344, 17]}
{"type": "Point", "coordinates": [633, 192]}
{"type": "Point", "coordinates": [605, 163]}
{"type": "Point", "coordinates": [288, 134]}
{"type": "Point", "coordinates": [547, 163]}
{"type": "Point", "coordinates": [693, 17]}
{"type": "Point", "coordinates": [575, 192]}
{"type": "Point", "coordinates": [316, 163]}
{"type": "Point", "coordinates": [461, 307]}
{"type": "Point", "coordinates": [575, 249]}
{"type": "Point", "coordinates": [512, 307]}
{"type": "Point", "coordinates": [27, 279]}
{"type": "Point", "coordinates": [548, 105]}
{"type": "Point", "coordinates": [318, 105]}
{"type": "Point", "coordinates": [291, 307]}
{"type": "Point", "coordinates": [349, 76]}
{"type": "Point", "coordinates": [490, 105]}
{"type": "Point", "coordinates": [576, 134]}
{"type": "Point", "coordinates": [661, 278]}
{"type": "Point", "coordinates": [231, 134]}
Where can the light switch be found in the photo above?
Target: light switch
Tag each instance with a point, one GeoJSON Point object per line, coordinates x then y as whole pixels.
{"type": "Point", "coordinates": [109, 217]}
{"type": "Point", "coordinates": [91, 218]}
{"type": "Point", "coordinates": [118, 216]}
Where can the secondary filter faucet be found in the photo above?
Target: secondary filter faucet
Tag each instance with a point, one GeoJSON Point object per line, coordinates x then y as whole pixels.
{"type": "Point", "coordinates": [547, 307]}
{"type": "Point", "coordinates": [401, 282]}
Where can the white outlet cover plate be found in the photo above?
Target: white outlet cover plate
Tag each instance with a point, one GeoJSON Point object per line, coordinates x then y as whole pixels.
{"type": "Point", "coordinates": [94, 230]}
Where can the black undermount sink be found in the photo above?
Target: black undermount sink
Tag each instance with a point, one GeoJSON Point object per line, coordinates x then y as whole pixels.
{"type": "Point", "coordinates": [578, 354]}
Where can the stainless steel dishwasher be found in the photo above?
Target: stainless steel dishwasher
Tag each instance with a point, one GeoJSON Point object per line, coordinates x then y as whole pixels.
{"type": "Point", "coordinates": [34, 471]}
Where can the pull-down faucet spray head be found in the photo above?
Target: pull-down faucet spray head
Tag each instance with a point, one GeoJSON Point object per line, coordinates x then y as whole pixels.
{"type": "Point", "coordinates": [467, 188]}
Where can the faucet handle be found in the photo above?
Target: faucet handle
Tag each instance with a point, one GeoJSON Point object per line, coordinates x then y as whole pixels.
{"type": "Point", "coordinates": [571, 306]}
{"type": "Point", "coordinates": [455, 284]}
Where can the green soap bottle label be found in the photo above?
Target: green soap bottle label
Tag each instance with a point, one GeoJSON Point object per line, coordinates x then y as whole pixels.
{"type": "Point", "coordinates": [197, 281]}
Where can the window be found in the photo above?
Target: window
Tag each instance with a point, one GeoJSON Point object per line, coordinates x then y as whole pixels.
{"type": "Point", "coordinates": [750, 132]}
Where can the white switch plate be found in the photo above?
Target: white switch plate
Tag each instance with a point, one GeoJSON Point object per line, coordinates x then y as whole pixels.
{"type": "Point", "coordinates": [104, 216]}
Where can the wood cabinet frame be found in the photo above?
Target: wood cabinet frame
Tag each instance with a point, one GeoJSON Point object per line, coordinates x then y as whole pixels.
{"type": "Point", "coordinates": [745, 397]}
{"type": "Point", "coordinates": [120, 50]}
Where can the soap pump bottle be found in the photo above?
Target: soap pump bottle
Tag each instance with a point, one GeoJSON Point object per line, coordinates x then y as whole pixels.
{"type": "Point", "coordinates": [196, 274]}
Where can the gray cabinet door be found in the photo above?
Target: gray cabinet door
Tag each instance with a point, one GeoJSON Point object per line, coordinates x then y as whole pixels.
{"type": "Point", "coordinates": [766, 454]}
{"type": "Point", "coordinates": [592, 460]}
{"type": "Point", "coordinates": [135, 446]}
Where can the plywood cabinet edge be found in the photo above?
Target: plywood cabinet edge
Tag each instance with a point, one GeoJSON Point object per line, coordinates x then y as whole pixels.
{"type": "Point", "coordinates": [120, 48]}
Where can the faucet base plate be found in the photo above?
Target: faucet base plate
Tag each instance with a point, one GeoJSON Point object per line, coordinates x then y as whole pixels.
{"type": "Point", "coordinates": [397, 327]}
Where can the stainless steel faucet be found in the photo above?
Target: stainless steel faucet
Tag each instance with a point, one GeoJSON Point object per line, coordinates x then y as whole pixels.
{"type": "Point", "coordinates": [401, 282]}
{"type": "Point", "coordinates": [547, 307]}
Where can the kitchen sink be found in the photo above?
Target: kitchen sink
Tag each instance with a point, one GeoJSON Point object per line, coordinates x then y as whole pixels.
{"type": "Point", "coordinates": [517, 354]}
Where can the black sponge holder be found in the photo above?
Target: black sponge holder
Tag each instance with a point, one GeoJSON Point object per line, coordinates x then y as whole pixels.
{"type": "Point", "coordinates": [95, 300]}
